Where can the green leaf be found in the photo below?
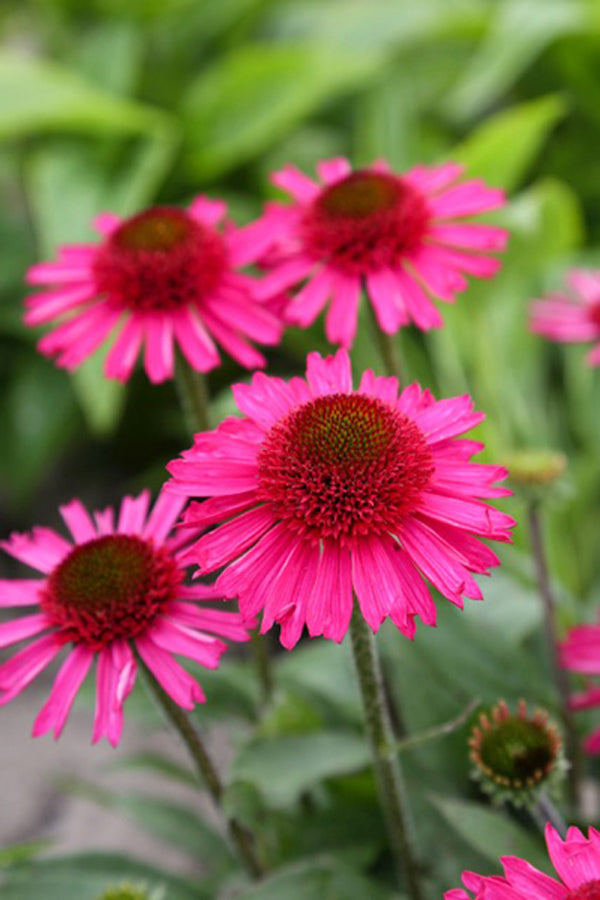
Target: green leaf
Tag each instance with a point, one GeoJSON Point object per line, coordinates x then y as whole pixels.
{"type": "Point", "coordinates": [491, 832]}
{"type": "Point", "coordinates": [323, 670]}
{"type": "Point", "coordinates": [19, 853]}
{"type": "Point", "coordinates": [158, 764]}
{"type": "Point", "coordinates": [502, 149]}
{"type": "Point", "coordinates": [39, 96]}
{"type": "Point", "coordinates": [254, 96]}
{"type": "Point", "coordinates": [519, 32]}
{"type": "Point", "coordinates": [85, 876]}
{"type": "Point", "coordinates": [283, 768]}
{"type": "Point", "coordinates": [379, 24]}
{"type": "Point", "coordinates": [38, 418]}
{"type": "Point", "coordinates": [318, 879]}
{"type": "Point", "coordinates": [174, 823]}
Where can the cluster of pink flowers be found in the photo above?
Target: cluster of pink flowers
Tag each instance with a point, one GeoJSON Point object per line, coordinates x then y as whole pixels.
{"type": "Point", "coordinates": [317, 487]}
{"type": "Point", "coordinates": [320, 492]}
{"type": "Point", "coordinates": [169, 277]}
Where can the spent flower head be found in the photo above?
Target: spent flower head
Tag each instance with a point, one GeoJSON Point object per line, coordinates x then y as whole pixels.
{"type": "Point", "coordinates": [516, 755]}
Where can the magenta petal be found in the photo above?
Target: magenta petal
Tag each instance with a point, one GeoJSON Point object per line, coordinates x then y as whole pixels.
{"type": "Point", "coordinates": [342, 318]}
{"type": "Point", "coordinates": [132, 516]}
{"type": "Point", "coordinates": [164, 514]}
{"type": "Point", "coordinates": [159, 358]}
{"type": "Point", "coordinates": [180, 686]}
{"type": "Point", "coordinates": [18, 629]}
{"type": "Point", "coordinates": [78, 521]}
{"type": "Point", "coordinates": [53, 715]}
{"type": "Point", "coordinates": [220, 546]}
{"type": "Point", "coordinates": [330, 607]}
{"type": "Point", "coordinates": [21, 669]}
{"type": "Point", "coordinates": [115, 680]}
{"type": "Point", "coordinates": [331, 375]}
{"type": "Point", "coordinates": [20, 592]}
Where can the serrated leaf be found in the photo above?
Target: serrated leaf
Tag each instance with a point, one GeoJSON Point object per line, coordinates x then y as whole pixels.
{"type": "Point", "coordinates": [283, 768]}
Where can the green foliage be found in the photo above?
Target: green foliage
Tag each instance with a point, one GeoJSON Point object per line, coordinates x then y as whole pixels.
{"type": "Point", "coordinates": [117, 106]}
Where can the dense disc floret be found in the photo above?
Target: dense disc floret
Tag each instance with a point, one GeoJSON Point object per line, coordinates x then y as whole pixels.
{"type": "Point", "coordinates": [160, 260]}
{"type": "Point", "coordinates": [364, 222]}
{"type": "Point", "coordinates": [112, 594]}
{"type": "Point", "coordinates": [163, 279]}
{"type": "Point", "coordinates": [403, 239]}
{"type": "Point", "coordinates": [322, 492]}
{"type": "Point", "coordinates": [113, 586]}
{"type": "Point", "coordinates": [343, 465]}
{"type": "Point", "coordinates": [576, 861]}
{"type": "Point", "coordinates": [574, 315]}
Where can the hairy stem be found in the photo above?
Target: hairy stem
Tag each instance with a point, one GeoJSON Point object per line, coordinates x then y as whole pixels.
{"type": "Point", "coordinates": [193, 395]}
{"type": "Point", "coordinates": [392, 794]}
{"type": "Point", "coordinates": [242, 839]}
{"type": "Point", "coordinates": [388, 348]}
{"type": "Point", "coordinates": [558, 673]}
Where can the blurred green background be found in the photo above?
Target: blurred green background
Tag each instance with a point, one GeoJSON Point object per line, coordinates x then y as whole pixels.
{"type": "Point", "coordinates": [112, 105]}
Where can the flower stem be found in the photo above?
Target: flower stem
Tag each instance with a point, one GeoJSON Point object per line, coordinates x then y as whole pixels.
{"type": "Point", "coordinates": [388, 348]}
{"type": "Point", "coordinates": [558, 673]}
{"type": "Point", "coordinates": [193, 395]}
{"type": "Point", "coordinates": [545, 811]}
{"type": "Point", "coordinates": [263, 664]}
{"type": "Point", "coordinates": [242, 839]}
{"type": "Point", "coordinates": [387, 768]}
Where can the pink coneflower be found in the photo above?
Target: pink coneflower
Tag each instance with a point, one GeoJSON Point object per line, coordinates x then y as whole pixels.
{"type": "Point", "coordinates": [165, 277]}
{"type": "Point", "coordinates": [117, 588]}
{"type": "Point", "coordinates": [323, 490]}
{"type": "Point", "coordinates": [572, 317]}
{"type": "Point", "coordinates": [581, 653]}
{"type": "Point", "coordinates": [577, 863]}
{"type": "Point", "coordinates": [401, 238]}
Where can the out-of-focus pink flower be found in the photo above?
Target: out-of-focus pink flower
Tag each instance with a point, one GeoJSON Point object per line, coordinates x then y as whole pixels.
{"type": "Point", "coordinates": [581, 653]}
{"type": "Point", "coordinates": [403, 238]}
{"type": "Point", "coordinates": [572, 317]}
{"type": "Point", "coordinates": [113, 591]}
{"type": "Point", "coordinates": [164, 278]}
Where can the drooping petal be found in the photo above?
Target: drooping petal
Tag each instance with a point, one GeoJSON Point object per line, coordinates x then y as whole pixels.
{"type": "Point", "coordinates": [53, 715]}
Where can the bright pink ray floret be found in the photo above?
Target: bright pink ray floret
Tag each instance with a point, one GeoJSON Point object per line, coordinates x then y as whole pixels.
{"type": "Point", "coordinates": [581, 653]}
{"type": "Point", "coordinates": [115, 591]}
{"type": "Point", "coordinates": [576, 861]}
{"type": "Point", "coordinates": [322, 491]}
